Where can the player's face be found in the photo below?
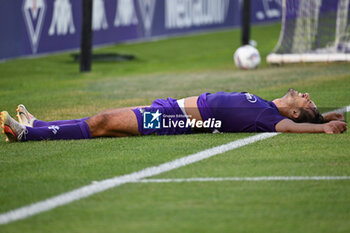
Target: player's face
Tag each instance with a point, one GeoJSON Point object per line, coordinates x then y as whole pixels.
{"type": "Point", "coordinates": [301, 100]}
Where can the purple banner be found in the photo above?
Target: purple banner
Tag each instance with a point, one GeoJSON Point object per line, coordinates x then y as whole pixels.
{"type": "Point", "coordinates": [31, 27]}
{"type": "Point", "coordinates": [266, 10]}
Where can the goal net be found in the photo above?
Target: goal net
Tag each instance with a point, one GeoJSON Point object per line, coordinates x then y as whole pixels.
{"type": "Point", "coordinates": [313, 31]}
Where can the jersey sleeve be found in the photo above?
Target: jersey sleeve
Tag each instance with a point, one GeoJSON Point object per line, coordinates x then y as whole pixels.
{"type": "Point", "coordinates": [267, 120]}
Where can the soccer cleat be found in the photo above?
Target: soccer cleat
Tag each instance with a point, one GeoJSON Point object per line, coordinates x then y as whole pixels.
{"type": "Point", "coordinates": [24, 117]}
{"type": "Point", "coordinates": [12, 129]}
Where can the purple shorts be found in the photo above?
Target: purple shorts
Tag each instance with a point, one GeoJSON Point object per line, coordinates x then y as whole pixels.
{"type": "Point", "coordinates": [168, 115]}
{"type": "Point", "coordinates": [203, 107]}
{"type": "Point", "coordinates": [161, 118]}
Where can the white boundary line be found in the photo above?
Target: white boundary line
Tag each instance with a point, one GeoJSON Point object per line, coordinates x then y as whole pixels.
{"type": "Point", "coordinates": [260, 178]}
{"type": "Point", "coordinates": [103, 185]}
{"type": "Point", "coordinates": [96, 187]}
{"type": "Point", "coordinates": [343, 110]}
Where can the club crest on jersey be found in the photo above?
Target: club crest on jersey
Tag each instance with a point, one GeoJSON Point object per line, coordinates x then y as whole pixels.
{"type": "Point", "coordinates": [251, 98]}
{"type": "Point", "coordinates": [34, 13]}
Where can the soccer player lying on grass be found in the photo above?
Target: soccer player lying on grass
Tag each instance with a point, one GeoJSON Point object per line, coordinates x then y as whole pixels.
{"type": "Point", "coordinates": [219, 112]}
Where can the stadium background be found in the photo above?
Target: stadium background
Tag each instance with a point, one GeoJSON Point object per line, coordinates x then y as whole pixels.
{"type": "Point", "coordinates": [52, 88]}
{"type": "Point", "coordinates": [32, 27]}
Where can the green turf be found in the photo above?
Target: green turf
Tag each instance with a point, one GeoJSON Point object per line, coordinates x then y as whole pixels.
{"type": "Point", "coordinates": [52, 88]}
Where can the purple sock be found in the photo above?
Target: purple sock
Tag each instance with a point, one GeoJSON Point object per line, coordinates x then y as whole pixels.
{"type": "Point", "coordinates": [54, 132]}
{"type": "Point", "coordinates": [38, 123]}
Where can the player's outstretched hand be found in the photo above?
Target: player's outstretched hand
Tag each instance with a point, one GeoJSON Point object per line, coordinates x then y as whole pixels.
{"type": "Point", "coordinates": [333, 116]}
{"type": "Point", "coordinates": [334, 127]}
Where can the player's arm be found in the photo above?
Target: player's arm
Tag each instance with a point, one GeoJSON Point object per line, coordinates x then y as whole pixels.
{"type": "Point", "coordinates": [332, 116]}
{"type": "Point", "coordinates": [289, 126]}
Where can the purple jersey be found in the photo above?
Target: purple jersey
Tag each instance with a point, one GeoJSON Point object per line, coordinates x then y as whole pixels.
{"type": "Point", "coordinates": [240, 111]}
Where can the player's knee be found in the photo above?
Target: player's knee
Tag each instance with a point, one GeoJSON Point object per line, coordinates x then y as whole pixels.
{"type": "Point", "coordinates": [97, 125]}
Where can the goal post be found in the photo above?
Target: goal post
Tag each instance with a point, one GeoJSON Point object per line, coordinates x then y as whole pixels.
{"type": "Point", "coordinates": [313, 31]}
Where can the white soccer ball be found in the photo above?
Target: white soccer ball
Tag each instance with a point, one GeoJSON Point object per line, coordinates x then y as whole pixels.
{"type": "Point", "coordinates": [247, 57]}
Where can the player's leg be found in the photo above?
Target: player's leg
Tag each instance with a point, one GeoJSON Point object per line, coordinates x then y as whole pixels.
{"type": "Point", "coordinates": [119, 123]}
{"type": "Point", "coordinates": [15, 131]}
{"type": "Point", "coordinates": [114, 123]}
{"type": "Point", "coordinates": [11, 128]}
{"type": "Point", "coordinates": [26, 118]}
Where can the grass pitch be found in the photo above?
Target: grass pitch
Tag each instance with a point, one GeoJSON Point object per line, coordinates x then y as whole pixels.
{"type": "Point", "coordinates": [52, 89]}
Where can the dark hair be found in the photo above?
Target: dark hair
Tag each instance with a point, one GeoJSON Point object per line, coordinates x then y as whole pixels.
{"type": "Point", "coordinates": [312, 116]}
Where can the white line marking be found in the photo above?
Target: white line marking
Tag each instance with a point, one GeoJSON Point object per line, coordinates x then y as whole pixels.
{"type": "Point", "coordinates": [101, 186]}
{"type": "Point", "coordinates": [341, 110]}
{"type": "Point", "coordinates": [261, 178]}
{"type": "Point", "coordinates": [345, 109]}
